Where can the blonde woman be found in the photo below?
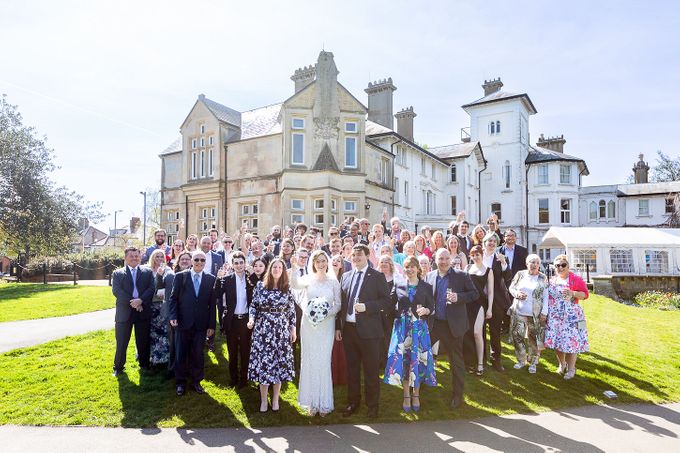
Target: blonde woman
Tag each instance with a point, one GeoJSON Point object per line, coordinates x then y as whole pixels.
{"type": "Point", "coordinates": [160, 345]}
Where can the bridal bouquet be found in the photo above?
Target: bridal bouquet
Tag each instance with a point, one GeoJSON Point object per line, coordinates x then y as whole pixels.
{"type": "Point", "coordinates": [318, 310]}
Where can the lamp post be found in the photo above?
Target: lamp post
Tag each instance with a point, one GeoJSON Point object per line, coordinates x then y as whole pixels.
{"type": "Point", "coordinates": [115, 226]}
{"type": "Point", "coordinates": [144, 219]}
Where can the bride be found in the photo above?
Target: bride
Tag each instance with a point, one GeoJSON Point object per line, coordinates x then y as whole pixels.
{"type": "Point", "coordinates": [315, 393]}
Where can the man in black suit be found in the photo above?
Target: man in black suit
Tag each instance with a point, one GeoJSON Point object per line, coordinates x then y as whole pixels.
{"type": "Point", "coordinates": [359, 325]}
{"type": "Point", "coordinates": [234, 294]}
{"type": "Point", "coordinates": [465, 241]}
{"type": "Point", "coordinates": [516, 256]}
{"type": "Point", "coordinates": [192, 313]}
{"type": "Point", "coordinates": [134, 288]}
{"type": "Point", "coordinates": [213, 263]}
{"type": "Point", "coordinates": [452, 290]}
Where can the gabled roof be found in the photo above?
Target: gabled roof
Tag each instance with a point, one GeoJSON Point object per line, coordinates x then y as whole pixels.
{"type": "Point", "coordinates": [260, 122]}
{"type": "Point", "coordinates": [500, 96]}
{"type": "Point", "coordinates": [539, 155]}
{"type": "Point", "coordinates": [174, 147]}
{"type": "Point", "coordinates": [223, 113]}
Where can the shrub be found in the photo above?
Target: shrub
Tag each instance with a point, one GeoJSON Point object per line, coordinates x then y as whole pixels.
{"type": "Point", "coordinates": [88, 265]}
{"type": "Point", "coordinates": [662, 300]}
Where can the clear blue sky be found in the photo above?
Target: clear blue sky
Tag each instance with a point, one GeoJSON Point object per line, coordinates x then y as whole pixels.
{"type": "Point", "coordinates": [109, 83]}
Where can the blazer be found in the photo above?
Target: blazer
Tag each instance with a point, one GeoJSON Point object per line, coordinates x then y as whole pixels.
{"type": "Point", "coordinates": [189, 310]}
{"type": "Point", "coordinates": [401, 301]}
{"type": "Point", "coordinates": [519, 259]}
{"type": "Point", "coordinates": [501, 282]}
{"type": "Point", "coordinates": [465, 244]}
{"type": "Point", "coordinates": [122, 288]}
{"type": "Point", "coordinates": [375, 293]}
{"type": "Point", "coordinates": [227, 286]}
{"type": "Point", "coordinates": [456, 314]}
{"type": "Point", "coordinates": [217, 261]}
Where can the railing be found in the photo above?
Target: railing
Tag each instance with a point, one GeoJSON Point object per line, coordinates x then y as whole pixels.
{"type": "Point", "coordinates": [465, 134]}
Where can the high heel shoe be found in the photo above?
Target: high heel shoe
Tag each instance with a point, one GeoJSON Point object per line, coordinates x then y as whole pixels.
{"type": "Point", "coordinates": [480, 370]}
{"type": "Point", "coordinates": [413, 406]}
{"type": "Point", "coordinates": [404, 406]}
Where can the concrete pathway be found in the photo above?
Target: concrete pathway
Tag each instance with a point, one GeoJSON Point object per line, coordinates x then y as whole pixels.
{"type": "Point", "coordinates": [19, 334]}
{"type": "Point", "coordinates": [626, 428]}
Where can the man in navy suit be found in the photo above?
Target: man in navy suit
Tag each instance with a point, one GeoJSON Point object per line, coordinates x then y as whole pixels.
{"type": "Point", "coordinates": [365, 293]}
{"type": "Point", "coordinates": [452, 290]}
{"type": "Point", "coordinates": [134, 288]}
{"type": "Point", "coordinates": [192, 313]}
{"type": "Point", "coordinates": [213, 263]}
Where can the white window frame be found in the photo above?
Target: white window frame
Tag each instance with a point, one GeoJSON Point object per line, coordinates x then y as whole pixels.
{"type": "Point", "coordinates": [334, 220]}
{"type": "Point", "coordinates": [319, 218]}
{"type": "Point", "coordinates": [211, 170]}
{"type": "Point", "coordinates": [298, 127]}
{"type": "Point", "coordinates": [453, 173]}
{"type": "Point", "coordinates": [498, 127]}
{"type": "Point", "coordinates": [201, 161]}
{"type": "Point", "coordinates": [292, 149]}
{"type": "Point", "coordinates": [538, 205]}
{"type": "Point", "coordinates": [350, 206]}
{"type": "Point", "coordinates": [646, 212]}
{"type": "Point", "coordinates": [565, 174]}
{"type": "Point", "coordinates": [383, 171]}
{"type": "Point", "coordinates": [602, 209]}
{"type": "Point", "coordinates": [406, 197]}
{"type": "Point", "coordinates": [356, 127]}
{"type": "Point", "coordinates": [211, 140]}
{"type": "Point", "coordinates": [565, 214]}
{"type": "Point", "coordinates": [194, 165]}
{"type": "Point", "coordinates": [202, 128]}
{"type": "Point", "coordinates": [334, 204]}
{"type": "Point", "coordinates": [202, 142]}
{"type": "Point", "coordinates": [592, 210]}
{"type": "Point", "coordinates": [611, 206]}
{"type": "Point", "coordinates": [319, 204]}
{"type": "Point", "coordinates": [656, 262]}
{"type": "Point", "coordinates": [622, 261]}
{"type": "Point", "coordinates": [349, 140]}
{"type": "Point", "coordinates": [297, 218]}
{"type": "Point", "coordinates": [507, 174]}
{"type": "Point", "coordinates": [292, 204]}
{"type": "Point", "coordinates": [396, 189]}
{"type": "Point", "coordinates": [542, 179]}
{"type": "Point", "coordinates": [499, 211]}
{"type": "Point", "coordinates": [422, 166]}
{"type": "Point", "coordinates": [193, 143]}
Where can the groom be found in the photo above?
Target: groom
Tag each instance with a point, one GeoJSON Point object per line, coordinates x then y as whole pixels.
{"type": "Point", "coordinates": [364, 293]}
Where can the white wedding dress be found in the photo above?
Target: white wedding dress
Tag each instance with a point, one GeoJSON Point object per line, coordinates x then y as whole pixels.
{"type": "Point", "coordinates": [315, 392]}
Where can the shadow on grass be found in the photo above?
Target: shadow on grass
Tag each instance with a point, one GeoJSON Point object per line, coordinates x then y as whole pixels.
{"type": "Point", "coordinates": [11, 291]}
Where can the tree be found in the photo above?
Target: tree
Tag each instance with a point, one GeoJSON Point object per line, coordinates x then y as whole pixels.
{"type": "Point", "coordinates": [666, 169]}
{"type": "Point", "coordinates": [36, 216]}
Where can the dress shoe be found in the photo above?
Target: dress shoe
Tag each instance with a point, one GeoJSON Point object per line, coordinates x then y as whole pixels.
{"type": "Point", "coordinates": [180, 390]}
{"type": "Point", "coordinates": [350, 410]}
{"type": "Point", "coordinates": [456, 403]}
{"type": "Point", "coordinates": [117, 373]}
{"type": "Point", "coordinates": [199, 389]}
{"type": "Point", "coordinates": [498, 366]}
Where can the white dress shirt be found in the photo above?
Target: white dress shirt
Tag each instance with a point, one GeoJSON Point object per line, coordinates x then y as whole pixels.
{"type": "Point", "coordinates": [510, 254]}
{"type": "Point", "coordinates": [241, 297]}
{"type": "Point", "coordinates": [352, 317]}
{"type": "Point", "coordinates": [208, 263]}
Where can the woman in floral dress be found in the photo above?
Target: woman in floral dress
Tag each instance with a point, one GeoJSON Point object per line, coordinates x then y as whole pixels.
{"type": "Point", "coordinates": [566, 332]}
{"type": "Point", "coordinates": [160, 344]}
{"type": "Point", "coordinates": [409, 361]}
{"type": "Point", "coordinates": [272, 315]}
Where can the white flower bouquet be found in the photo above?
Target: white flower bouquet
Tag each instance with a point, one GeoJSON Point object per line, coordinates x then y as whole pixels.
{"type": "Point", "coordinates": [317, 310]}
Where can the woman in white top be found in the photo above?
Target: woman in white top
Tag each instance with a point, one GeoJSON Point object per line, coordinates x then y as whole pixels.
{"type": "Point", "coordinates": [315, 393]}
{"type": "Point", "coordinates": [529, 288]}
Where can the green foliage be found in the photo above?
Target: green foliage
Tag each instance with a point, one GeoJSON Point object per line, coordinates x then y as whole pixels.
{"type": "Point", "coordinates": [68, 382]}
{"type": "Point", "coordinates": [36, 216]}
{"type": "Point", "coordinates": [666, 169]}
{"type": "Point", "coordinates": [80, 262]}
{"type": "Point", "coordinates": [662, 300]}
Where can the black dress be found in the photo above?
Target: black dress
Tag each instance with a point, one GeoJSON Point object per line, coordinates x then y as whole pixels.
{"type": "Point", "coordinates": [469, 350]}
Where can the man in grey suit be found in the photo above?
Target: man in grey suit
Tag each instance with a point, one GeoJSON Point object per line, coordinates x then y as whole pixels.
{"type": "Point", "coordinates": [134, 288]}
{"type": "Point", "coordinates": [452, 290]}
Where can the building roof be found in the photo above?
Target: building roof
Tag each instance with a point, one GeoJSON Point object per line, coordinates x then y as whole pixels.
{"type": "Point", "coordinates": [565, 237]}
{"type": "Point", "coordinates": [539, 155]}
{"type": "Point", "coordinates": [652, 188]}
{"type": "Point", "coordinates": [174, 147]}
{"type": "Point", "coordinates": [454, 151]}
{"type": "Point", "coordinates": [389, 132]}
{"type": "Point", "coordinates": [260, 122]}
{"type": "Point", "coordinates": [222, 112]}
{"type": "Point", "coordinates": [500, 96]}
{"type": "Point", "coordinates": [373, 128]}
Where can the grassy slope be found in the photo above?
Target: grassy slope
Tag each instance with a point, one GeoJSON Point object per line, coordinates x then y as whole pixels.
{"type": "Point", "coordinates": [20, 301]}
{"type": "Point", "coordinates": [67, 382]}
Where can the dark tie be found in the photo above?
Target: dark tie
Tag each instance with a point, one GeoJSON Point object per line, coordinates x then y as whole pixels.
{"type": "Point", "coordinates": [135, 293]}
{"type": "Point", "coordinates": [302, 272]}
{"type": "Point", "coordinates": [353, 294]}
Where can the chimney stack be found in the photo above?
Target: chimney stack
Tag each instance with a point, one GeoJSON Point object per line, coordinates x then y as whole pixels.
{"type": "Point", "coordinates": [552, 143]}
{"type": "Point", "coordinates": [491, 86]}
{"type": "Point", "coordinates": [380, 102]}
{"type": "Point", "coordinates": [405, 122]}
{"type": "Point", "coordinates": [641, 170]}
{"type": "Point", "coordinates": [303, 76]}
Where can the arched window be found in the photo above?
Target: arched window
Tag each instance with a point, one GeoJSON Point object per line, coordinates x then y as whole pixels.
{"type": "Point", "coordinates": [492, 128]}
{"type": "Point", "coordinates": [506, 174]}
{"type": "Point", "coordinates": [592, 211]}
{"type": "Point", "coordinates": [611, 209]}
{"type": "Point", "coordinates": [498, 127]}
{"type": "Point", "coordinates": [601, 209]}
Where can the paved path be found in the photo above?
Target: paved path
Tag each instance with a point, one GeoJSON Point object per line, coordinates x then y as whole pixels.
{"type": "Point", "coordinates": [19, 334]}
{"type": "Point", "coordinates": [627, 428]}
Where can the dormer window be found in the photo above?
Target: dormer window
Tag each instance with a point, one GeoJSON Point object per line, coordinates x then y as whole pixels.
{"type": "Point", "coordinates": [298, 123]}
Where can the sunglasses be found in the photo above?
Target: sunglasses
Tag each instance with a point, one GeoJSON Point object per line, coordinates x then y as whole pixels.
{"type": "Point", "coordinates": [333, 234]}
{"type": "Point", "coordinates": [199, 260]}
{"type": "Point", "coordinates": [228, 242]}
{"type": "Point", "coordinates": [561, 265]}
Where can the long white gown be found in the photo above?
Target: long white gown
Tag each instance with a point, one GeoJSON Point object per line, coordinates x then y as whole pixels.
{"type": "Point", "coordinates": [315, 392]}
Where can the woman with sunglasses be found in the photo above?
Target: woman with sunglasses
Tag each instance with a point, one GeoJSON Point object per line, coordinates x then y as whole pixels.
{"type": "Point", "coordinates": [566, 332]}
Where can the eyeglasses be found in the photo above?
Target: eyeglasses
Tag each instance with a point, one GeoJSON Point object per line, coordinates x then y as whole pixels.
{"type": "Point", "coordinates": [228, 242]}
{"type": "Point", "coordinates": [561, 265]}
{"type": "Point", "coordinates": [333, 233]}
{"type": "Point", "coordinates": [199, 260]}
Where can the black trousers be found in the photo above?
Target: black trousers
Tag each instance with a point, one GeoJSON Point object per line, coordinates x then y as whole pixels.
{"type": "Point", "coordinates": [220, 311]}
{"type": "Point", "coordinates": [172, 334]}
{"type": "Point", "coordinates": [190, 359]}
{"type": "Point", "coordinates": [362, 352]}
{"type": "Point", "coordinates": [142, 340]}
{"type": "Point", "coordinates": [495, 325]}
{"type": "Point", "coordinates": [454, 348]}
{"type": "Point", "coordinates": [238, 346]}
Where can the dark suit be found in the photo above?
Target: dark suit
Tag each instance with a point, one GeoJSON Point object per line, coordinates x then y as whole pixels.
{"type": "Point", "coordinates": [401, 301]}
{"type": "Point", "coordinates": [195, 314]}
{"type": "Point", "coordinates": [235, 327]}
{"type": "Point", "coordinates": [363, 339]}
{"type": "Point", "coordinates": [501, 303]}
{"type": "Point", "coordinates": [216, 264]}
{"type": "Point", "coordinates": [465, 244]}
{"type": "Point", "coordinates": [127, 317]}
{"type": "Point", "coordinates": [519, 259]}
{"type": "Point", "coordinates": [451, 331]}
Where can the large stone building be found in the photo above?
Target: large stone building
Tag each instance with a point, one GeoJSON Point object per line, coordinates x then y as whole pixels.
{"type": "Point", "coordinates": [322, 155]}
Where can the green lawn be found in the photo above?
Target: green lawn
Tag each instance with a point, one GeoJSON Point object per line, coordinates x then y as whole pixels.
{"type": "Point", "coordinates": [19, 301]}
{"type": "Point", "coordinates": [69, 382]}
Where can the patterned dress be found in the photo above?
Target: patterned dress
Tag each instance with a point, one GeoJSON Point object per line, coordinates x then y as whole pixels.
{"type": "Point", "coordinates": [410, 350]}
{"type": "Point", "coordinates": [271, 352]}
{"type": "Point", "coordinates": [160, 343]}
{"type": "Point", "coordinates": [566, 330]}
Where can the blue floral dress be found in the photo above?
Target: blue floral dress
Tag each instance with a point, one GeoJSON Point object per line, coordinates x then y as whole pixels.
{"type": "Point", "coordinates": [566, 328]}
{"type": "Point", "coordinates": [410, 350]}
{"type": "Point", "coordinates": [160, 343]}
{"type": "Point", "coordinates": [271, 352]}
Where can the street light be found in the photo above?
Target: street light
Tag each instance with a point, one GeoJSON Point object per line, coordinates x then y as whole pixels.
{"type": "Point", "coordinates": [115, 225]}
{"type": "Point", "coordinates": [144, 219]}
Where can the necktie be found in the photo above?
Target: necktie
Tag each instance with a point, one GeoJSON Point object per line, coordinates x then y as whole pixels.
{"type": "Point", "coordinates": [135, 293]}
{"type": "Point", "coordinates": [197, 283]}
{"type": "Point", "coordinates": [353, 294]}
{"type": "Point", "coordinates": [302, 272]}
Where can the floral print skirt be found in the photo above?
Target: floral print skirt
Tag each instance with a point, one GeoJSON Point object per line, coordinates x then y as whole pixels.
{"type": "Point", "coordinates": [410, 353]}
{"type": "Point", "coordinates": [566, 330]}
{"type": "Point", "coordinates": [160, 344]}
